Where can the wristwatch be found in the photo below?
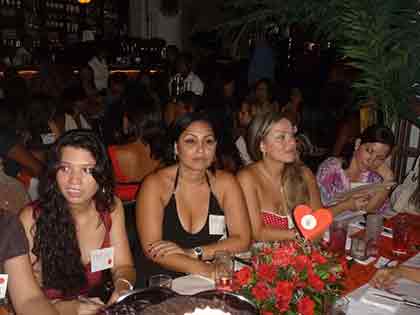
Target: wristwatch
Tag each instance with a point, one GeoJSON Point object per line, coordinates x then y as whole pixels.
{"type": "Point", "coordinates": [198, 251]}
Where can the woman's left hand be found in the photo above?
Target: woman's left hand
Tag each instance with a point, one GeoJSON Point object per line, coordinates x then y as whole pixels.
{"type": "Point", "coordinates": [116, 294]}
{"type": "Point", "coordinates": [386, 173]}
{"type": "Point", "coordinates": [384, 278]}
{"type": "Point", "coordinates": [165, 248]}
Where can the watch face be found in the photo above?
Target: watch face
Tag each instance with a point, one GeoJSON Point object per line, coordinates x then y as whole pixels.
{"type": "Point", "coordinates": [198, 251]}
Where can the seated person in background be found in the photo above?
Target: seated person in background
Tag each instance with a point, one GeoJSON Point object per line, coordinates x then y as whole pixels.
{"type": "Point", "coordinates": [12, 150]}
{"type": "Point", "coordinates": [70, 115]}
{"type": "Point", "coordinates": [365, 164]}
{"type": "Point", "coordinates": [277, 182]}
{"type": "Point", "coordinates": [13, 194]}
{"type": "Point", "coordinates": [77, 215]}
{"type": "Point", "coordinates": [263, 92]}
{"type": "Point", "coordinates": [25, 293]}
{"type": "Point", "coordinates": [386, 277]}
{"type": "Point", "coordinates": [185, 103]}
{"type": "Point", "coordinates": [185, 210]}
{"type": "Point", "coordinates": [247, 111]}
{"type": "Point", "coordinates": [132, 160]}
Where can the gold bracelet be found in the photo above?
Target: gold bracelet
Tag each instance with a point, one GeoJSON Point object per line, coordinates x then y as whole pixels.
{"type": "Point", "coordinates": [130, 286]}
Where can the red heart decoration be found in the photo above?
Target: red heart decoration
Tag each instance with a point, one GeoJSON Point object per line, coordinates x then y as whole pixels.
{"type": "Point", "coordinates": [312, 223]}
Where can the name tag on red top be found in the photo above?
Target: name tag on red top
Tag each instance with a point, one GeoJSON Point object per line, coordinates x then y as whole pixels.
{"type": "Point", "coordinates": [102, 259]}
{"type": "Point", "coordinates": [3, 285]}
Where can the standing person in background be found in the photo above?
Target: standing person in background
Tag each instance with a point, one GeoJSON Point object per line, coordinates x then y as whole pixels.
{"type": "Point", "coordinates": [363, 163]}
{"type": "Point", "coordinates": [262, 64]}
{"type": "Point", "coordinates": [191, 82]}
{"type": "Point", "coordinates": [23, 290]}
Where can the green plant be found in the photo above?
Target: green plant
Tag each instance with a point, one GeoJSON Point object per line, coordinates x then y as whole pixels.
{"type": "Point", "coordinates": [378, 37]}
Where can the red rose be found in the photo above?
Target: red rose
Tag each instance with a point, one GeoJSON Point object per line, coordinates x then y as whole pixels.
{"type": "Point", "coordinates": [318, 258]}
{"type": "Point", "coordinates": [282, 258]}
{"type": "Point", "coordinates": [306, 306]}
{"type": "Point", "coordinates": [267, 313]}
{"type": "Point", "coordinates": [301, 262]}
{"type": "Point", "coordinates": [344, 266]}
{"type": "Point", "coordinates": [332, 278]}
{"type": "Point", "coordinates": [284, 293]}
{"type": "Point", "coordinates": [243, 276]}
{"type": "Point", "coordinates": [261, 292]}
{"type": "Point", "coordinates": [315, 282]}
{"type": "Point", "coordinates": [267, 272]}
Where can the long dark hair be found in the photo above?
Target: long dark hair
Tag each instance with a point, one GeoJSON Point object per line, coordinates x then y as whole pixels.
{"type": "Point", "coordinates": [372, 134]}
{"type": "Point", "coordinates": [55, 239]}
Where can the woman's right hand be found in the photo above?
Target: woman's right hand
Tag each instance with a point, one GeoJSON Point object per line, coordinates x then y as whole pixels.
{"type": "Point", "coordinates": [359, 202]}
{"type": "Point", "coordinates": [89, 306]}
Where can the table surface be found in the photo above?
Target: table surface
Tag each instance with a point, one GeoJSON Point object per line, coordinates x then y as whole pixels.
{"type": "Point", "coordinates": [361, 274]}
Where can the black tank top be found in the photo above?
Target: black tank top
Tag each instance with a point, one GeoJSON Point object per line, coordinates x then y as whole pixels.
{"type": "Point", "coordinates": [172, 230]}
{"type": "Point", "coordinates": [175, 232]}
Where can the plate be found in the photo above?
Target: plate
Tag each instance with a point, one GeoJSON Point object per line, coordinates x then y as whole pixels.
{"type": "Point", "coordinates": [192, 284]}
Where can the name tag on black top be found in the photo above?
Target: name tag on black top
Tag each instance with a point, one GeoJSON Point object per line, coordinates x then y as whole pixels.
{"type": "Point", "coordinates": [217, 224]}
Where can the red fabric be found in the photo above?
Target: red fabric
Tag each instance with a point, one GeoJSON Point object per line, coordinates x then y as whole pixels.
{"type": "Point", "coordinates": [93, 278]}
{"type": "Point", "coordinates": [126, 192]}
{"type": "Point", "coordinates": [275, 220]}
{"type": "Point", "coordinates": [361, 274]}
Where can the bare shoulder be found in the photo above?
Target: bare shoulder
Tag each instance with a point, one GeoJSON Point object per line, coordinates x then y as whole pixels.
{"type": "Point", "coordinates": [27, 214]}
{"type": "Point", "coordinates": [307, 173]}
{"type": "Point", "coordinates": [118, 207]}
{"type": "Point", "coordinates": [248, 174]}
{"type": "Point", "coordinates": [159, 183]}
{"type": "Point", "coordinates": [223, 178]}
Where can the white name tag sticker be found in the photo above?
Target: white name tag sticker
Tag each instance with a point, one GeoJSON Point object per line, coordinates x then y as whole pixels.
{"type": "Point", "coordinates": [217, 224]}
{"type": "Point", "coordinates": [102, 259]}
{"type": "Point", "coordinates": [3, 285]}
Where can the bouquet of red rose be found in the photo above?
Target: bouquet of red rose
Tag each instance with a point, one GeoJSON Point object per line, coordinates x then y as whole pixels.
{"type": "Point", "coordinates": [291, 277]}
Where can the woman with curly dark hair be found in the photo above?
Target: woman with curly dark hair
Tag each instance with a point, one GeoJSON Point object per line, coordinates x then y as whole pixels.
{"type": "Point", "coordinates": [76, 230]}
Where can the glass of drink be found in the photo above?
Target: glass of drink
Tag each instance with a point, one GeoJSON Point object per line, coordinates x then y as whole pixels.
{"type": "Point", "coordinates": [338, 236]}
{"type": "Point", "coordinates": [400, 234]}
{"type": "Point", "coordinates": [160, 280]}
{"type": "Point", "coordinates": [224, 270]}
{"type": "Point", "coordinates": [374, 226]}
{"type": "Point", "coordinates": [359, 248]}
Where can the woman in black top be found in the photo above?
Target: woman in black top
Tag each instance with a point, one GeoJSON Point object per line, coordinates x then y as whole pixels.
{"type": "Point", "coordinates": [185, 211]}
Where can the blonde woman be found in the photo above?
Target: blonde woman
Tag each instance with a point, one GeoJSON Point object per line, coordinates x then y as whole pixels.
{"type": "Point", "coordinates": [277, 182]}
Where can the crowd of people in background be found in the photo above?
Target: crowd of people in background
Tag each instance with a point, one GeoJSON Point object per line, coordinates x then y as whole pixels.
{"type": "Point", "coordinates": [165, 169]}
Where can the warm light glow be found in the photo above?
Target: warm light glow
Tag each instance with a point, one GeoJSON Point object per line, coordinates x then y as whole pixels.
{"type": "Point", "coordinates": [84, 1]}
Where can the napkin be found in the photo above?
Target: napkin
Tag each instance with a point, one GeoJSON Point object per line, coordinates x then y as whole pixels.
{"type": "Point", "coordinates": [192, 284]}
{"type": "Point", "coordinates": [384, 305]}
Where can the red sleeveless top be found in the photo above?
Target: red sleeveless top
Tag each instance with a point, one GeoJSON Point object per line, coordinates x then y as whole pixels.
{"type": "Point", "coordinates": [125, 192]}
{"type": "Point", "coordinates": [94, 279]}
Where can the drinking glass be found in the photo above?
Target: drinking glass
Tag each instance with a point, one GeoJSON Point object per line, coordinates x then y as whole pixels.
{"type": "Point", "coordinates": [359, 248]}
{"type": "Point", "coordinates": [224, 270]}
{"type": "Point", "coordinates": [400, 235]}
{"type": "Point", "coordinates": [374, 226]}
{"type": "Point", "coordinates": [160, 280]}
{"type": "Point", "coordinates": [338, 236]}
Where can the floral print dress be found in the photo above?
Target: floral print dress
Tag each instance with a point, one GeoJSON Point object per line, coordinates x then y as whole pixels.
{"type": "Point", "coordinates": [332, 180]}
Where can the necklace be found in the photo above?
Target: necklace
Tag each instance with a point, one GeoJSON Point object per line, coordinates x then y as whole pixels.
{"type": "Point", "coordinates": [283, 197]}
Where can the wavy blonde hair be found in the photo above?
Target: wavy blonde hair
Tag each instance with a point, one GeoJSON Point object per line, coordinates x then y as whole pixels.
{"type": "Point", "coordinates": [295, 187]}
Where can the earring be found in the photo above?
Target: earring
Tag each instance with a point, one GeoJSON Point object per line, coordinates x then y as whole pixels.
{"type": "Point", "coordinates": [103, 190]}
